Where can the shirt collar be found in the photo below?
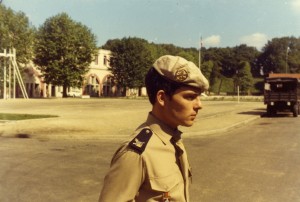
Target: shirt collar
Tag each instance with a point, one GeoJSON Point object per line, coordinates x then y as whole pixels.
{"type": "Point", "coordinates": [163, 131]}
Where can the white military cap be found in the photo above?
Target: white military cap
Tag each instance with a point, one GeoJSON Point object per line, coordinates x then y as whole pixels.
{"type": "Point", "coordinates": [180, 70]}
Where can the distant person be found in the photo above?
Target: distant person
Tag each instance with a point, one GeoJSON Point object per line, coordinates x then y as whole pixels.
{"type": "Point", "coordinates": [153, 165]}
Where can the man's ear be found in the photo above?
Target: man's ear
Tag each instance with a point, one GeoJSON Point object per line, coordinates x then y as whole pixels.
{"type": "Point", "coordinates": [161, 97]}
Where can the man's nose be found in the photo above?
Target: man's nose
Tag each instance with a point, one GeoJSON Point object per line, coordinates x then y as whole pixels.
{"type": "Point", "coordinates": [198, 104]}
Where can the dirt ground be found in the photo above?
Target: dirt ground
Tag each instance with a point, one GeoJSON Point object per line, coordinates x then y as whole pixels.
{"type": "Point", "coordinates": [77, 118]}
{"type": "Point", "coordinates": [106, 118]}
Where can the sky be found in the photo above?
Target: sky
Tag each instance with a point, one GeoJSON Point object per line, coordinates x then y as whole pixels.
{"type": "Point", "coordinates": [219, 23]}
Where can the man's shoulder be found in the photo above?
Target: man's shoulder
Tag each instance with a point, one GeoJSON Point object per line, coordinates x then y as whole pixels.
{"type": "Point", "coordinates": [140, 140]}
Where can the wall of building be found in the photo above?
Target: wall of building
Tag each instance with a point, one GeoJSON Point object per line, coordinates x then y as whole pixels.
{"type": "Point", "coordinates": [98, 80]}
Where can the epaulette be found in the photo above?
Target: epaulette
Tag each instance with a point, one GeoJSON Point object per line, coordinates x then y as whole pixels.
{"type": "Point", "coordinates": [140, 141]}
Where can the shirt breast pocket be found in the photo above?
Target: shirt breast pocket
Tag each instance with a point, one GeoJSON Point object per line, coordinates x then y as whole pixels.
{"type": "Point", "coordinates": [166, 183]}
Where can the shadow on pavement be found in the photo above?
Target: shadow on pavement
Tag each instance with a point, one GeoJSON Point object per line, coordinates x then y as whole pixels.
{"type": "Point", "coordinates": [254, 112]}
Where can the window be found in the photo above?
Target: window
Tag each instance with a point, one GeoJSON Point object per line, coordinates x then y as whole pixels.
{"type": "Point", "coordinates": [105, 61]}
{"type": "Point", "coordinates": [96, 59]}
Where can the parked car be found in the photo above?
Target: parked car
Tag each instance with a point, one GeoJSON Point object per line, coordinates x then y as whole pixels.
{"type": "Point", "coordinates": [74, 93]}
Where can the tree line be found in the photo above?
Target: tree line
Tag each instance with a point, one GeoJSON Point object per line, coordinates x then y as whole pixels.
{"type": "Point", "coordinates": [225, 68]}
{"type": "Point", "coordinates": [63, 49]}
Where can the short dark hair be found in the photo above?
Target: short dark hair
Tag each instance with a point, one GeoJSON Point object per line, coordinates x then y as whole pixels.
{"type": "Point", "coordinates": [155, 82]}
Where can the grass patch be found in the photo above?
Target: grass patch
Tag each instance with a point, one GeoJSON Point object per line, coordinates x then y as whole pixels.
{"type": "Point", "coordinates": [15, 117]}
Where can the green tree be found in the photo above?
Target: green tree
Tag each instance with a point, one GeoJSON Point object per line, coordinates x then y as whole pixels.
{"type": "Point", "coordinates": [216, 76]}
{"type": "Point", "coordinates": [16, 32]}
{"type": "Point", "coordinates": [187, 56]}
{"type": "Point", "coordinates": [293, 55]}
{"type": "Point", "coordinates": [171, 49]}
{"type": "Point", "coordinates": [293, 61]}
{"type": "Point", "coordinates": [280, 55]}
{"type": "Point", "coordinates": [207, 69]}
{"type": "Point", "coordinates": [246, 53]}
{"type": "Point", "coordinates": [64, 50]}
{"type": "Point", "coordinates": [244, 78]}
{"type": "Point", "coordinates": [131, 59]}
{"type": "Point", "coordinates": [156, 50]}
{"type": "Point", "coordinates": [229, 58]}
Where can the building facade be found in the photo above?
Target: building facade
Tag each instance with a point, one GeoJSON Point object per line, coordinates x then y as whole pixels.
{"type": "Point", "coordinates": [98, 80]}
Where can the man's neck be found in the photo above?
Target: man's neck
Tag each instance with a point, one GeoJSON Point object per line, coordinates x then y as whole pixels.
{"type": "Point", "coordinates": [160, 116]}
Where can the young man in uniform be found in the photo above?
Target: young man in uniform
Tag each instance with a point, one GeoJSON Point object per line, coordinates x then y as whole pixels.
{"type": "Point", "coordinates": [153, 165]}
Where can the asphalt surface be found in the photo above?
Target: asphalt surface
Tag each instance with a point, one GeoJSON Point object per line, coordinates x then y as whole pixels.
{"type": "Point", "coordinates": [65, 158]}
{"type": "Point", "coordinates": [258, 162]}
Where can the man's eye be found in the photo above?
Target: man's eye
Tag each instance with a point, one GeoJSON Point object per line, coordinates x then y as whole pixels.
{"type": "Point", "coordinates": [190, 97]}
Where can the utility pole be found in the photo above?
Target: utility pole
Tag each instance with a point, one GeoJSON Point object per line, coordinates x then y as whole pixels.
{"type": "Point", "coordinates": [4, 76]}
{"type": "Point", "coordinates": [200, 47]}
{"type": "Point", "coordinates": [286, 58]}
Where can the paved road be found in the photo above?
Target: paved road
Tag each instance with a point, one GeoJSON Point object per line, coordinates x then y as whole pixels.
{"type": "Point", "coordinates": [256, 162]}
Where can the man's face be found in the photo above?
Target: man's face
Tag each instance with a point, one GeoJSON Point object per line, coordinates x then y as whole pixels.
{"type": "Point", "coordinates": [183, 107]}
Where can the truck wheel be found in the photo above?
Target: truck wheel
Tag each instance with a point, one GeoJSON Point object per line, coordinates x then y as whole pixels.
{"type": "Point", "coordinates": [295, 110]}
{"type": "Point", "coordinates": [271, 110]}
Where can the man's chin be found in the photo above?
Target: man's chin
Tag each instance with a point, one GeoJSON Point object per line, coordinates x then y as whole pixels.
{"type": "Point", "coordinates": [188, 124]}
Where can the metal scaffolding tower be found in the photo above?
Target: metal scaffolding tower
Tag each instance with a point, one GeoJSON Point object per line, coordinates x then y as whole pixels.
{"type": "Point", "coordinates": [11, 72]}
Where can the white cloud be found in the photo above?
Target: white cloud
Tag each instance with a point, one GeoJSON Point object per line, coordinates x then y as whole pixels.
{"type": "Point", "coordinates": [212, 41]}
{"type": "Point", "coordinates": [295, 4]}
{"type": "Point", "coordinates": [257, 40]}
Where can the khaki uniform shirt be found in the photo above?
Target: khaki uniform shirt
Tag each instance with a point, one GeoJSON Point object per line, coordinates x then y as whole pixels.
{"type": "Point", "coordinates": [154, 174]}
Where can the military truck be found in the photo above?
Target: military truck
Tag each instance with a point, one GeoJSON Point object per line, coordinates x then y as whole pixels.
{"type": "Point", "coordinates": [282, 93]}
